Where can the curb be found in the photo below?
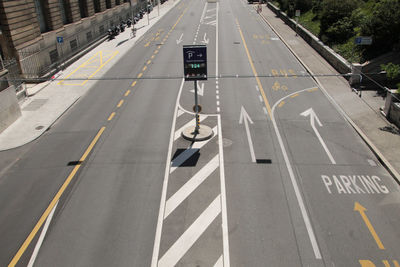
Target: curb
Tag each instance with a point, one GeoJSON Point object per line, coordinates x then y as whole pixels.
{"type": "Point", "coordinates": [385, 163]}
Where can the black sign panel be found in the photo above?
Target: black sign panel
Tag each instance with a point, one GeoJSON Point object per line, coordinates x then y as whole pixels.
{"type": "Point", "coordinates": [195, 62]}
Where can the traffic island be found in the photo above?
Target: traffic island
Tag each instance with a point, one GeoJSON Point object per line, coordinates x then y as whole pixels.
{"type": "Point", "coordinates": [204, 133]}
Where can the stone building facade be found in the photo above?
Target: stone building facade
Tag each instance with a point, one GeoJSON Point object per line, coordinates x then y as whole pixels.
{"type": "Point", "coordinates": [41, 34]}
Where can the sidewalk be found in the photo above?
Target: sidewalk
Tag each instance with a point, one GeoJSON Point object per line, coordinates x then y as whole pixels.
{"type": "Point", "coordinates": [48, 101]}
{"type": "Point", "coordinates": [362, 113]}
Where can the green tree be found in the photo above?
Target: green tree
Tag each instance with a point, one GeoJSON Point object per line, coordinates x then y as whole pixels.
{"type": "Point", "coordinates": [384, 26]}
{"type": "Point", "coordinates": [335, 17]}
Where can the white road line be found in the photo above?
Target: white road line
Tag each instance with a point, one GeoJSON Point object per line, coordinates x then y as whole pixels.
{"type": "Point", "coordinates": [175, 200]}
{"type": "Point", "coordinates": [260, 97]}
{"type": "Point", "coordinates": [371, 162]}
{"type": "Point", "coordinates": [217, 86]}
{"type": "Point", "coordinates": [160, 220]}
{"type": "Point", "coordinates": [300, 201]}
{"type": "Point", "coordinates": [180, 112]}
{"type": "Point", "coordinates": [225, 233]}
{"type": "Point", "coordinates": [179, 160]}
{"type": "Point", "coordinates": [219, 262]}
{"type": "Point", "coordinates": [258, 89]}
{"type": "Point", "coordinates": [217, 103]}
{"type": "Point", "coordinates": [265, 110]}
{"type": "Point", "coordinates": [204, 12]}
{"type": "Point", "coordinates": [217, 96]}
{"type": "Point", "coordinates": [190, 123]}
{"type": "Point", "coordinates": [217, 92]}
{"type": "Point", "coordinates": [41, 237]}
{"type": "Point", "coordinates": [189, 237]}
{"type": "Point", "coordinates": [218, 109]}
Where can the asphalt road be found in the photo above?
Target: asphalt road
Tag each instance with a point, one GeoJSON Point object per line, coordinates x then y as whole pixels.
{"type": "Point", "coordinates": [284, 180]}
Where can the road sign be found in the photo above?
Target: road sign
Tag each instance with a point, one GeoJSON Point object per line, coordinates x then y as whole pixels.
{"type": "Point", "coordinates": [195, 62]}
{"type": "Point", "coordinates": [60, 39]}
{"type": "Point", "coordinates": [363, 40]}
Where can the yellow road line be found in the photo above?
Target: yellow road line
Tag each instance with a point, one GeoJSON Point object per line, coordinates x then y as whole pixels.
{"type": "Point", "coordinates": [255, 72]}
{"type": "Point", "coordinates": [281, 104]}
{"type": "Point", "coordinates": [293, 96]}
{"type": "Point", "coordinates": [127, 92]}
{"type": "Point", "coordinates": [46, 213]}
{"type": "Point", "coordinates": [312, 89]}
{"type": "Point", "coordinates": [81, 66]}
{"type": "Point", "coordinates": [148, 62]}
{"type": "Point", "coordinates": [140, 75]}
{"type": "Point", "coordinates": [134, 83]}
{"type": "Point", "coordinates": [153, 56]}
{"type": "Point", "coordinates": [111, 116]}
{"type": "Point", "coordinates": [144, 68]}
{"type": "Point", "coordinates": [155, 52]}
{"type": "Point", "coordinates": [102, 65]}
{"type": "Point", "coordinates": [120, 103]}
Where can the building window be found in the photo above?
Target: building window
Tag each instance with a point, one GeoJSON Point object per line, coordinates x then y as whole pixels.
{"type": "Point", "coordinates": [108, 3]}
{"type": "Point", "coordinates": [73, 44]}
{"type": "Point", "coordinates": [117, 2]}
{"type": "Point", "coordinates": [96, 4]}
{"type": "Point", "coordinates": [53, 56]}
{"type": "Point", "coordinates": [83, 8]}
{"type": "Point", "coordinates": [61, 4]}
{"type": "Point", "coordinates": [89, 36]}
{"type": "Point", "coordinates": [40, 15]}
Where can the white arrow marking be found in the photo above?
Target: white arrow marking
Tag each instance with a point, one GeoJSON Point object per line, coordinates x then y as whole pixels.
{"type": "Point", "coordinates": [313, 117]}
{"type": "Point", "coordinates": [179, 40]}
{"type": "Point", "coordinates": [244, 116]}
{"type": "Point", "coordinates": [200, 89]}
{"type": "Point", "coordinates": [205, 40]}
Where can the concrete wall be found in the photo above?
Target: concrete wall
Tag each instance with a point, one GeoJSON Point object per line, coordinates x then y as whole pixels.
{"type": "Point", "coordinates": [337, 61]}
{"type": "Point", "coordinates": [9, 108]}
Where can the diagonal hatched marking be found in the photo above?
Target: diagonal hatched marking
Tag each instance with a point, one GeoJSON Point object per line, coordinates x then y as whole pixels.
{"type": "Point", "coordinates": [189, 237]}
{"type": "Point", "coordinates": [174, 201]}
{"type": "Point", "coordinates": [220, 262]}
{"type": "Point", "coordinates": [179, 160]}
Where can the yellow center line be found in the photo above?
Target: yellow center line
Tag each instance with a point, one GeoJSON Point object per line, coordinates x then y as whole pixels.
{"type": "Point", "coordinates": [159, 47]}
{"type": "Point", "coordinates": [153, 56]}
{"type": "Point", "coordinates": [255, 72]}
{"type": "Point", "coordinates": [120, 103]}
{"type": "Point", "coordinates": [144, 68]}
{"type": "Point", "coordinates": [111, 116]}
{"type": "Point", "coordinates": [148, 62]}
{"type": "Point", "coordinates": [293, 96]}
{"type": "Point", "coordinates": [140, 75]}
{"type": "Point", "coordinates": [46, 213]}
{"type": "Point", "coordinates": [156, 52]}
{"type": "Point", "coordinates": [127, 92]}
{"type": "Point", "coordinates": [133, 84]}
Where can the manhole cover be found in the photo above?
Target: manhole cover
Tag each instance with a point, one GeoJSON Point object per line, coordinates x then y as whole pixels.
{"type": "Point", "coordinates": [39, 127]}
{"type": "Point", "coordinates": [236, 42]}
{"type": "Point", "coordinates": [226, 142]}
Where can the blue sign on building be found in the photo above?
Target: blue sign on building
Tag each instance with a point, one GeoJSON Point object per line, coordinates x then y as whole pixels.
{"type": "Point", "coordinates": [60, 39]}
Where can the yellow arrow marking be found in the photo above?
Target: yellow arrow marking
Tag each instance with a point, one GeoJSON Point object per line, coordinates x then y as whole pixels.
{"type": "Point", "coordinates": [361, 210]}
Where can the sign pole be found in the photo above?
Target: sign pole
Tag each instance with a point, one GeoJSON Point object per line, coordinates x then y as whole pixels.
{"type": "Point", "coordinates": [196, 129]}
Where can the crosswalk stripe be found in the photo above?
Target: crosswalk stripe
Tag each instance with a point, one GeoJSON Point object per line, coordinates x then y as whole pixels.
{"type": "Point", "coordinates": [220, 262]}
{"type": "Point", "coordinates": [174, 201]}
{"type": "Point", "coordinates": [179, 160]}
{"type": "Point", "coordinates": [189, 237]}
{"type": "Point", "coordinates": [190, 123]}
